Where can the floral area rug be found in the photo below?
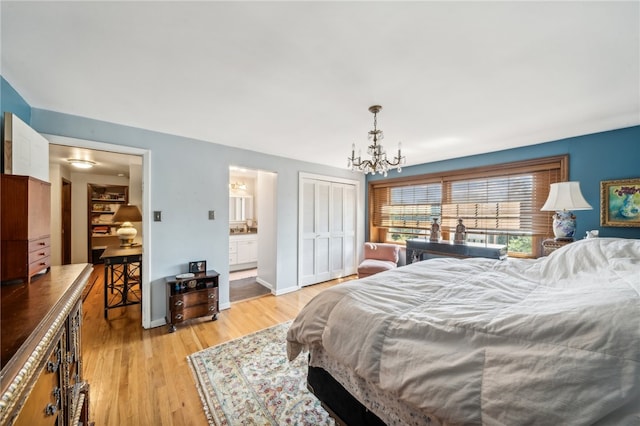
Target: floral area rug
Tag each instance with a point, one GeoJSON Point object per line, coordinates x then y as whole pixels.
{"type": "Point", "coordinates": [249, 381]}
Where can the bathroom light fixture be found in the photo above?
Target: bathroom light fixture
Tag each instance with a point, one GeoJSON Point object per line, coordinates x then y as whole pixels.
{"type": "Point", "coordinates": [238, 186]}
{"type": "Point", "coordinates": [563, 198]}
{"type": "Point", "coordinates": [378, 162]}
{"type": "Point", "coordinates": [81, 164]}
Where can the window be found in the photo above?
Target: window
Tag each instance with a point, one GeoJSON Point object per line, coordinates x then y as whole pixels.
{"type": "Point", "coordinates": [498, 204]}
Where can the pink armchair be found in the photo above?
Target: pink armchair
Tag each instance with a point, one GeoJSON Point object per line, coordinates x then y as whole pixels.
{"type": "Point", "coordinates": [378, 257]}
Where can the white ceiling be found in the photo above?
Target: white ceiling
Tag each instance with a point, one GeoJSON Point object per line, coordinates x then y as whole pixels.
{"type": "Point", "coordinates": [295, 79]}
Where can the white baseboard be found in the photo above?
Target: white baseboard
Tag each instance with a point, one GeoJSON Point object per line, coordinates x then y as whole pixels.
{"type": "Point", "coordinates": [267, 284]}
{"type": "Point", "coordinates": [286, 290]}
{"type": "Point", "coordinates": [158, 323]}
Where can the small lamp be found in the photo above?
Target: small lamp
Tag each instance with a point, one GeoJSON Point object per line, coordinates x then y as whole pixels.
{"type": "Point", "coordinates": [564, 197]}
{"type": "Point", "coordinates": [126, 215]}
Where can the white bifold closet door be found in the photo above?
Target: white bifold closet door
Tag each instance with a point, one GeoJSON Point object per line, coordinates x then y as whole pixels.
{"type": "Point", "coordinates": [328, 230]}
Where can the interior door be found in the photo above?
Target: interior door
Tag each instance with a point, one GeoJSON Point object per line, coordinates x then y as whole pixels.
{"type": "Point", "coordinates": [315, 232]}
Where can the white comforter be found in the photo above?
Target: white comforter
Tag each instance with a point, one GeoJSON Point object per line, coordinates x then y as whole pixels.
{"type": "Point", "coordinates": [554, 340]}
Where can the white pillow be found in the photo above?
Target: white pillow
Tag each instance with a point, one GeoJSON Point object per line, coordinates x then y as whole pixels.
{"type": "Point", "coordinates": [591, 256]}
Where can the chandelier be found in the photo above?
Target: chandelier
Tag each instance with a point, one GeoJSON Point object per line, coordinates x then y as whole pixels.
{"type": "Point", "coordinates": [378, 162]}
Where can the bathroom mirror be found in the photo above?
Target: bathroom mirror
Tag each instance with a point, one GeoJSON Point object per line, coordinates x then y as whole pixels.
{"type": "Point", "coordinates": [240, 208]}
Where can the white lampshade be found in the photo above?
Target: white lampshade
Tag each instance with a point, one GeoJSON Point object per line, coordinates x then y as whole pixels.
{"type": "Point", "coordinates": [565, 196]}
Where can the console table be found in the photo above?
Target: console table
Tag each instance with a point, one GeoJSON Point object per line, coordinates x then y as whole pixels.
{"type": "Point", "coordinates": [122, 272]}
{"type": "Point", "coordinates": [420, 249]}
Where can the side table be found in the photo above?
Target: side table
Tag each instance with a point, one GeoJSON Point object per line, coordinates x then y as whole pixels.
{"type": "Point", "coordinates": [551, 244]}
{"type": "Point", "coordinates": [192, 297]}
{"type": "Point", "coordinates": [122, 273]}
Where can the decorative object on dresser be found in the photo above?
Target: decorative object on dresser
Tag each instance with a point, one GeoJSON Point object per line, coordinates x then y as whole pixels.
{"type": "Point", "coordinates": [197, 266]}
{"type": "Point", "coordinates": [564, 197]}
{"type": "Point", "coordinates": [42, 377]}
{"type": "Point", "coordinates": [25, 216]}
{"type": "Point", "coordinates": [192, 297]}
{"type": "Point", "coordinates": [620, 202]}
{"type": "Point", "coordinates": [435, 230]}
{"type": "Point", "coordinates": [460, 237]}
{"type": "Point", "coordinates": [126, 232]}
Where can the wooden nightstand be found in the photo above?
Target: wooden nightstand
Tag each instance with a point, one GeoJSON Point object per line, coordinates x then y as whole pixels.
{"type": "Point", "coordinates": [192, 297]}
{"type": "Point", "coordinates": [551, 244]}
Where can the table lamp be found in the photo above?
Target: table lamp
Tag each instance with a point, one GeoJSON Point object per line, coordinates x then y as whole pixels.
{"type": "Point", "coordinates": [126, 215]}
{"type": "Point", "coordinates": [564, 197]}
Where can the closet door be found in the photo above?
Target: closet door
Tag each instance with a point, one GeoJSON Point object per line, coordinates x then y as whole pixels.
{"type": "Point", "coordinates": [328, 223]}
{"type": "Point", "coordinates": [315, 232]}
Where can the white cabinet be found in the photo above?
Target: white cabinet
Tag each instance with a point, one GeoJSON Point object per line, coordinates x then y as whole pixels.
{"type": "Point", "coordinates": [243, 251]}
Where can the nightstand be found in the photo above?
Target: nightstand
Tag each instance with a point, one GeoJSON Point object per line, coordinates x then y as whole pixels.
{"type": "Point", "coordinates": [551, 244]}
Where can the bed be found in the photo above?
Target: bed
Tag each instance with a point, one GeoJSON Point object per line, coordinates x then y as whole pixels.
{"type": "Point", "coordinates": [554, 340]}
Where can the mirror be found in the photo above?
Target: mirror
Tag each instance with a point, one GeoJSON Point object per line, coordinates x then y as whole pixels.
{"type": "Point", "coordinates": [240, 208]}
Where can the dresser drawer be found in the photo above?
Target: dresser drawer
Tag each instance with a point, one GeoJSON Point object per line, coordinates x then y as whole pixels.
{"type": "Point", "coordinates": [38, 254]}
{"type": "Point", "coordinates": [181, 302]}
{"type": "Point", "coordinates": [39, 244]}
{"type": "Point", "coordinates": [194, 312]}
{"type": "Point", "coordinates": [39, 265]}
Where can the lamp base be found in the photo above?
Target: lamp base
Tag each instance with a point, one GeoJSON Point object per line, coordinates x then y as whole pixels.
{"type": "Point", "coordinates": [564, 225]}
{"type": "Point", "coordinates": [126, 233]}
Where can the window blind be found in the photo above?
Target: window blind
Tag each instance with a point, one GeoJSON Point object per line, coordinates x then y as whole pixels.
{"type": "Point", "coordinates": [496, 200]}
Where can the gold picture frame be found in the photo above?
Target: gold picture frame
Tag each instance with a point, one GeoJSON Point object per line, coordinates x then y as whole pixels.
{"type": "Point", "coordinates": [620, 202]}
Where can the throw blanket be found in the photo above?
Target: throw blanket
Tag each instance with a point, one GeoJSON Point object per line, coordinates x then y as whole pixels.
{"type": "Point", "coordinates": [554, 340]}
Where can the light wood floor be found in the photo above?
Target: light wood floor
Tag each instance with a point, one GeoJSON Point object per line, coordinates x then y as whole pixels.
{"type": "Point", "coordinates": [141, 377]}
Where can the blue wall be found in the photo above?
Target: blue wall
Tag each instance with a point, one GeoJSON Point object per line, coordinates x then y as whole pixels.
{"type": "Point", "coordinates": [11, 101]}
{"type": "Point", "coordinates": [592, 158]}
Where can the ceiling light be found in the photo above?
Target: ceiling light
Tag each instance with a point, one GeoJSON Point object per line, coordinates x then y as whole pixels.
{"type": "Point", "coordinates": [378, 162]}
{"type": "Point", "coordinates": [81, 164]}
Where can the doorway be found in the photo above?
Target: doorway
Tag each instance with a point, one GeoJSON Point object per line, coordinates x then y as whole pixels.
{"type": "Point", "coordinates": [73, 149]}
{"type": "Point", "coordinates": [251, 233]}
{"type": "Point", "coordinates": [65, 232]}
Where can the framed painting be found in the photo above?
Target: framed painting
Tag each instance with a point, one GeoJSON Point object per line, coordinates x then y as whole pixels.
{"type": "Point", "coordinates": [620, 202]}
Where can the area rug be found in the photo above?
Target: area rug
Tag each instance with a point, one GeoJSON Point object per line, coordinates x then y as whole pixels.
{"type": "Point", "coordinates": [249, 381]}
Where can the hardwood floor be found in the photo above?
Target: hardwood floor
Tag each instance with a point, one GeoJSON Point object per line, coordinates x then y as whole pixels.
{"type": "Point", "coordinates": [141, 377]}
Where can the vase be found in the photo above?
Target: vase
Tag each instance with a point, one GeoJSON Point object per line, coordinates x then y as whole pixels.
{"type": "Point", "coordinates": [629, 209]}
{"type": "Point", "coordinates": [564, 225]}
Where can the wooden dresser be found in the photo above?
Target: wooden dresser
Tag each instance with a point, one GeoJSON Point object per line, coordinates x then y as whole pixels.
{"type": "Point", "coordinates": [41, 347]}
{"type": "Point", "coordinates": [25, 216]}
{"type": "Point", "coordinates": [192, 297]}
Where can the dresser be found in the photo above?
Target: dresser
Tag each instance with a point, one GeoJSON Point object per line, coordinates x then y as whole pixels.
{"type": "Point", "coordinates": [420, 249]}
{"type": "Point", "coordinates": [26, 216]}
{"type": "Point", "coordinates": [41, 345]}
{"type": "Point", "coordinates": [192, 297]}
